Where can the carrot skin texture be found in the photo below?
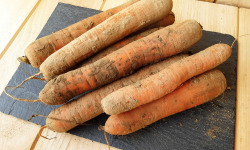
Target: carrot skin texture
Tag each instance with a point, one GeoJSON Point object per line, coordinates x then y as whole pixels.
{"type": "Point", "coordinates": [150, 49]}
{"type": "Point", "coordinates": [117, 46]}
{"type": "Point", "coordinates": [166, 21]}
{"type": "Point", "coordinates": [89, 105]}
{"type": "Point", "coordinates": [166, 81]}
{"type": "Point", "coordinates": [40, 49]}
{"type": "Point", "coordinates": [192, 93]}
{"type": "Point", "coordinates": [125, 22]}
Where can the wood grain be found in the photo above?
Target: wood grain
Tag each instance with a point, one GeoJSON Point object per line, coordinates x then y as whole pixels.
{"type": "Point", "coordinates": [237, 3]}
{"type": "Point", "coordinates": [29, 32]}
{"type": "Point", "coordinates": [16, 133]}
{"type": "Point", "coordinates": [242, 139]}
{"type": "Point", "coordinates": [13, 19]}
{"type": "Point", "coordinates": [61, 141]}
{"type": "Point", "coordinates": [213, 17]}
{"type": "Point", "coordinates": [94, 4]}
{"type": "Point", "coordinates": [112, 3]}
{"type": "Point", "coordinates": [9, 64]}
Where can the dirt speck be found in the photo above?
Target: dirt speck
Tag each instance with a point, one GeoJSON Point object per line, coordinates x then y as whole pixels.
{"type": "Point", "coordinates": [211, 133]}
{"type": "Point", "coordinates": [89, 25]}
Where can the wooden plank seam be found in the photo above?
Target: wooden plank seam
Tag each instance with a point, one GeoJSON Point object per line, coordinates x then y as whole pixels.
{"type": "Point", "coordinates": [19, 29]}
{"type": "Point", "coordinates": [103, 3]}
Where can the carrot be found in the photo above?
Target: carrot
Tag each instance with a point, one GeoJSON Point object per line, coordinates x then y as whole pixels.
{"type": "Point", "coordinates": [116, 27]}
{"type": "Point", "coordinates": [89, 105]}
{"type": "Point", "coordinates": [168, 20]}
{"type": "Point", "coordinates": [166, 81]}
{"type": "Point", "coordinates": [150, 49]}
{"type": "Point", "coordinates": [192, 93]}
{"type": "Point", "coordinates": [117, 46]}
{"type": "Point", "coordinates": [40, 49]}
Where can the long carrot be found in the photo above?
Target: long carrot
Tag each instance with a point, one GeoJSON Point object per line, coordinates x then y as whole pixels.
{"type": "Point", "coordinates": [152, 48]}
{"type": "Point", "coordinates": [118, 45]}
{"type": "Point", "coordinates": [40, 49]}
{"type": "Point", "coordinates": [89, 105]}
{"type": "Point", "coordinates": [164, 82]}
{"type": "Point", "coordinates": [166, 21]}
{"type": "Point", "coordinates": [116, 27]}
{"type": "Point", "coordinates": [35, 56]}
{"type": "Point", "coordinates": [192, 93]}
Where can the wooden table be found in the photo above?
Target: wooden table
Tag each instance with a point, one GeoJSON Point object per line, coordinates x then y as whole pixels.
{"type": "Point", "coordinates": [22, 21]}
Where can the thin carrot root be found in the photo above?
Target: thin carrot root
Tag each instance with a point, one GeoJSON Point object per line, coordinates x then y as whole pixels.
{"type": "Point", "coordinates": [29, 78]}
{"type": "Point", "coordinates": [14, 87]}
{"type": "Point", "coordinates": [192, 93]}
{"type": "Point", "coordinates": [56, 119]}
{"type": "Point", "coordinates": [106, 138]}
{"type": "Point", "coordinates": [19, 99]}
{"type": "Point", "coordinates": [42, 79]}
{"type": "Point", "coordinates": [237, 38]}
{"type": "Point", "coordinates": [38, 135]}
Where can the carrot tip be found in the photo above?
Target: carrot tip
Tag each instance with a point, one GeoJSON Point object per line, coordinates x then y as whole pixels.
{"type": "Point", "coordinates": [23, 59]}
{"type": "Point", "coordinates": [101, 127]}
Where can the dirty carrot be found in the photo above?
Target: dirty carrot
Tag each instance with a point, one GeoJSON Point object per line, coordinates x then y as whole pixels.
{"type": "Point", "coordinates": [150, 49]}
{"type": "Point", "coordinates": [192, 93]}
{"type": "Point", "coordinates": [89, 106]}
{"type": "Point", "coordinates": [40, 49]}
{"type": "Point", "coordinates": [117, 46]}
{"type": "Point", "coordinates": [168, 20]}
{"type": "Point", "coordinates": [116, 27]}
{"type": "Point", "coordinates": [164, 82]}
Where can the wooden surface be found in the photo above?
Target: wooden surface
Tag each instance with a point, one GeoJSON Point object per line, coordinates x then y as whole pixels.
{"type": "Point", "coordinates": [243, 91]}
{"type": "Point", "coordinates": [237, 3]}
{"type": "Point", "coordinates": [213, 17]}
{"type": "Point", "coordinates": [12, 23]}
{"type": "Point", "coordinates": [16, 133]}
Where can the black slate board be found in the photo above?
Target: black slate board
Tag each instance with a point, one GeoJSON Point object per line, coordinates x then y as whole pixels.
{"type": "Point", "coordinates": [208, 126]}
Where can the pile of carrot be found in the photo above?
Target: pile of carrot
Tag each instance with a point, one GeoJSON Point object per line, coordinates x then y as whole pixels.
{"type": "Point", "coordinates": [129, 58]}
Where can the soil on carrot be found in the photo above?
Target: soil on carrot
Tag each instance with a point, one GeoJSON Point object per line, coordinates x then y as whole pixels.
{"type": "Point", "coordinates": [102, 76]}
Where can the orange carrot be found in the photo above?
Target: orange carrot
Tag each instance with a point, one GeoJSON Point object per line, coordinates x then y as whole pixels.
{"type": "Point", "coordinates": [166, 81]}
{"type": "Point", "coordinates": [89, 105]}
{"type": "Point", "coordinates": [150, 49]}
{"type": "Point", "coordinates": [118, 45]}
{"type": "Point", "coordinates": [40, 49]}
{"type": "Point", "coordinates": [166, 21]}
{"type": "Point", "coordinates": [192, 93]}
{"type": "Point", "coordinates": [116, 27]}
